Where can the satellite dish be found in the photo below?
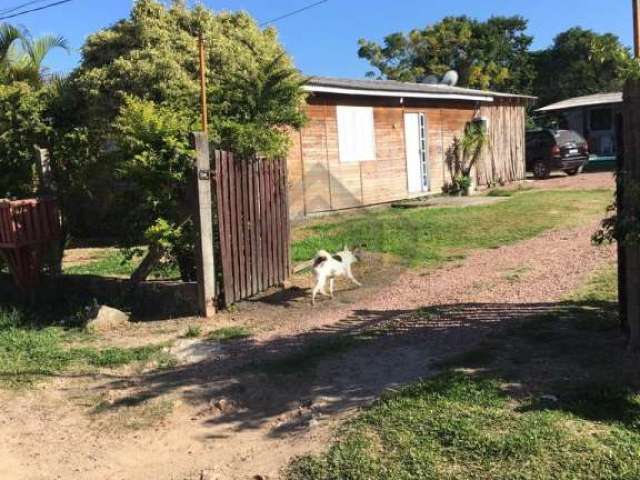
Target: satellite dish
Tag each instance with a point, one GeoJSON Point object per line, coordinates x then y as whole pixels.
{"type": "Point", "coordinates": [431, 80]}
{"type": "Point", "coordinates": [450, 78]}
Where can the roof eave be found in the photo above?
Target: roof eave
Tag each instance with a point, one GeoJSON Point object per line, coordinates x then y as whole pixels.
{"type": "Point", "coordinates": [398, 94]}
{"type": "Point", "coordinates": [551, 108]}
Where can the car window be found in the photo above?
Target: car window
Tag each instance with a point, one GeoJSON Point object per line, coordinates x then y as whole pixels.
{"type": "Point", "coordinates": [533, 138]}
{"type": "Point", "coordinates": [568, 136]}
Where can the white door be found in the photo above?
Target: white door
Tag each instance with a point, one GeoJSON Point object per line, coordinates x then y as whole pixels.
{"type": "Point", "coordinates": [416, 148]}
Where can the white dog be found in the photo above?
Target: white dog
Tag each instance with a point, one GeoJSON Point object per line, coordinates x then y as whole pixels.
{"type": "Point", "coordinates": [329, 267]}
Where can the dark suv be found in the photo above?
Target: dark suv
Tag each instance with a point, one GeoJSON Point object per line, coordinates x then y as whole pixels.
{"type": "Point", "coordinates": [549, 150]}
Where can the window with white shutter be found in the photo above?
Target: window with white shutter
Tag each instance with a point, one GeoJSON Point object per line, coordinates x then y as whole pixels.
{"type": "Point", "coordinates": [356, 134]}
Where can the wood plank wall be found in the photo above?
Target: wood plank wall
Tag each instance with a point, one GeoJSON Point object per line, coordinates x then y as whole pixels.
{"type": "Point", "coordinates": [319, 182]}
{"type": "Point", "coordinates": [504, 158]}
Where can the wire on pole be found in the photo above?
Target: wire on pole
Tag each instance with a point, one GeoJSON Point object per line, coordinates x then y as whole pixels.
{"type": "Point", "coordinates": [44, 7]}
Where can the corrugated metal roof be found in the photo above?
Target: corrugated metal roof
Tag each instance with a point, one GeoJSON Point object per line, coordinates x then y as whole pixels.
{"type": "Point", "coordinates": [586, 101]}
{"type": "Point", "coordinates": [395, 88]}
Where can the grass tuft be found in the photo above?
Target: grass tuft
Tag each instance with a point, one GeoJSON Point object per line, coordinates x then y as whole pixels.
{"type": "Point", "coordinates": [500, 192]}
{"type": "Point", "coordinates": [194, 331]}
{"type": "Point", "coordinates": [229, 334]}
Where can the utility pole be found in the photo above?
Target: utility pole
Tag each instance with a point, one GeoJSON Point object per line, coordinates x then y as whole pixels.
{"type": "Point", "coordinates": [636, 27]}
{"type": "Point", "coordinates": [203, 83]}
{"type": "Point", "coordinates": [203, 211]}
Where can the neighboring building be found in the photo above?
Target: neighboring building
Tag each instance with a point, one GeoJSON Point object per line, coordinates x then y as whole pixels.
{"type": "Point", "coordinates": [369, 142]}
{"type": "Point", "coordinates": [595, 117]}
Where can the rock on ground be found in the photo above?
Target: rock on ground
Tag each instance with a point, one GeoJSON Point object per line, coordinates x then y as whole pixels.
{"type": "Point", "coordinates": [107, 319]}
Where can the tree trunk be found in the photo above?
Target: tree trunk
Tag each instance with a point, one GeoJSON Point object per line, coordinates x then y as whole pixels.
{"type": "Point", "coordinates": [146, 266]}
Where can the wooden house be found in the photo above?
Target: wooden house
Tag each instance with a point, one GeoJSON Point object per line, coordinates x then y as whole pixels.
{"type": "Point", "coordinates": [370, 142]}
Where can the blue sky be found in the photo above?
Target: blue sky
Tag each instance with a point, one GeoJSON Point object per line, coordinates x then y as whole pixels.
{"type": "Point", "coordinates": [323, 41]}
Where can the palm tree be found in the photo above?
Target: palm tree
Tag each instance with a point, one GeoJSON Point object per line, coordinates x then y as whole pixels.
{"type": "Point", "coordinates": [9, 35]}
{"type": "Point", "coordinates": [22, 57]}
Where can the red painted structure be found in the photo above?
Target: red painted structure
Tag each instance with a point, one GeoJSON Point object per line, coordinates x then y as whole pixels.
{"type": "Point", "coordinates": [27, 229]}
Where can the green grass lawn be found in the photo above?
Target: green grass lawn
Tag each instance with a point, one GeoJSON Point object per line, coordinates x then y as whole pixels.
{"type": "Point", "coordinates": [30, 351]}
{"type": "Point", "coordinates": [420, 236]}
{"type": "Point", "coordinates": [554, 397]}
{"type": "Point", "coordinates": [111, 262]}
{"type": "Point", "coordinates": [433, 235]}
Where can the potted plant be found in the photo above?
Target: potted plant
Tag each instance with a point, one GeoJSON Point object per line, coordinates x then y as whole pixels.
{"type": "Point", "coordinates": [463, 156]}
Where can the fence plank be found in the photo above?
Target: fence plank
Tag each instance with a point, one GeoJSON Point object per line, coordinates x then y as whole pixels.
{"type": "Point", "coordinates": [246, 227]}
{"type": "Point", "coordinates": [258, 225]}
{"type": "Point", "coordinates": [254, 231]}
{"type": "Point", "coordinates": [239, 245]}
{"type": "Point", "coordinates": [264, 203]}
{"type": "Point", "coordinates": [233, 228]}
{"type": "Point", "coordinates": [272, 224]}
{"type": "Point", "coordinates": [285, 216]}
{"type": "Point", "coordinates": [281, 223]}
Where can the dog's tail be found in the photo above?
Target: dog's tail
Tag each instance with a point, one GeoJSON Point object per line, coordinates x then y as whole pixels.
{"type": "Point", "coordinates": [321, 257]}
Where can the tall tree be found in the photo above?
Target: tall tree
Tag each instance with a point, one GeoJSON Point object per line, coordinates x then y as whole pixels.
{"type": "Point", "coordinates": [580, 62]}
{"type": "Point", "coordinates": [137, 92]}
{"type": "Point", "coordinates": [487, 55]}
{"type": "Point", "coordinates": [254, 89]}
{"type": "Point", "coordinates": [28, 62]}
{"type": "Point", "coordinates": [9, 35]}
{"type": "Point", "coordinates": [22, 57]}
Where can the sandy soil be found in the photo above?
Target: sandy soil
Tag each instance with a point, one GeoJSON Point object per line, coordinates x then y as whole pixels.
{"type": "Point", "coordinates": [229, 418]}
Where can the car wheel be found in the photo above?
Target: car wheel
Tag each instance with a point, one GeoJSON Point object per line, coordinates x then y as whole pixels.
{"type": "Point", "coordinates": [541, 170]}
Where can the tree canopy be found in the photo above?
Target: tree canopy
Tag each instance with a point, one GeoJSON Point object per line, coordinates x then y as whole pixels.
{"type": "Point", "coordinates": [136, 97]}
{"type": "Point", "coordinates": [22, 57]}
{"type": "Point", "coordinates": [580, 62]}
{"type": "Point", "coordinates": [253, 86]}
{"type": "Point", "coordinates": [493, 54]}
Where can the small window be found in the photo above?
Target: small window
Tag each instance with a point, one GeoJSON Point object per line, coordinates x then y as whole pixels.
{"type": "Point", "coordinates": [356, 134]}
{"type": "Point", "coordinates": [601, 119]}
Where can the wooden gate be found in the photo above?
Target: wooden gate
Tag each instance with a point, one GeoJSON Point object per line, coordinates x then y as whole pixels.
{"type": "Point", "coordinates": [253, 224]}
{"type": "Point", "coordinates": [27, 230]}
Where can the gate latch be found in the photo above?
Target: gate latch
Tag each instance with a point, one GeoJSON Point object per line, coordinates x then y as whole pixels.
{"type": "Point", "coordinates": [204, 175]}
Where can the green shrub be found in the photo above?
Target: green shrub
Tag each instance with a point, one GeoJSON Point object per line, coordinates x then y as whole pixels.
{"type": "Point", "coordinates": [22, 125]}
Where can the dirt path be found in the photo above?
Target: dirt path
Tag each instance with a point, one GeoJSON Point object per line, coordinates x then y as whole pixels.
{"type": "Point", "coordinates": [234, 418]}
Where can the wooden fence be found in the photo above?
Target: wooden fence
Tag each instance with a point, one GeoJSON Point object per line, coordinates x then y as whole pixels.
{"type": "Point", "coordinates": [253, 224]}
{"type": "Point", "coordinates": [27, 229]}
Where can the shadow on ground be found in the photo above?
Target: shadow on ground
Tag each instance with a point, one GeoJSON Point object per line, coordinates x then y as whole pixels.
{"type": "Point", "coordinates": [561, 349]}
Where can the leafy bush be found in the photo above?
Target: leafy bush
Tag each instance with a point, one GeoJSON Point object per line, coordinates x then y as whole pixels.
{"type": "Point", "coordinates": [22, 125]}
{"type": "Point", "coordinates": [153, 141]}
